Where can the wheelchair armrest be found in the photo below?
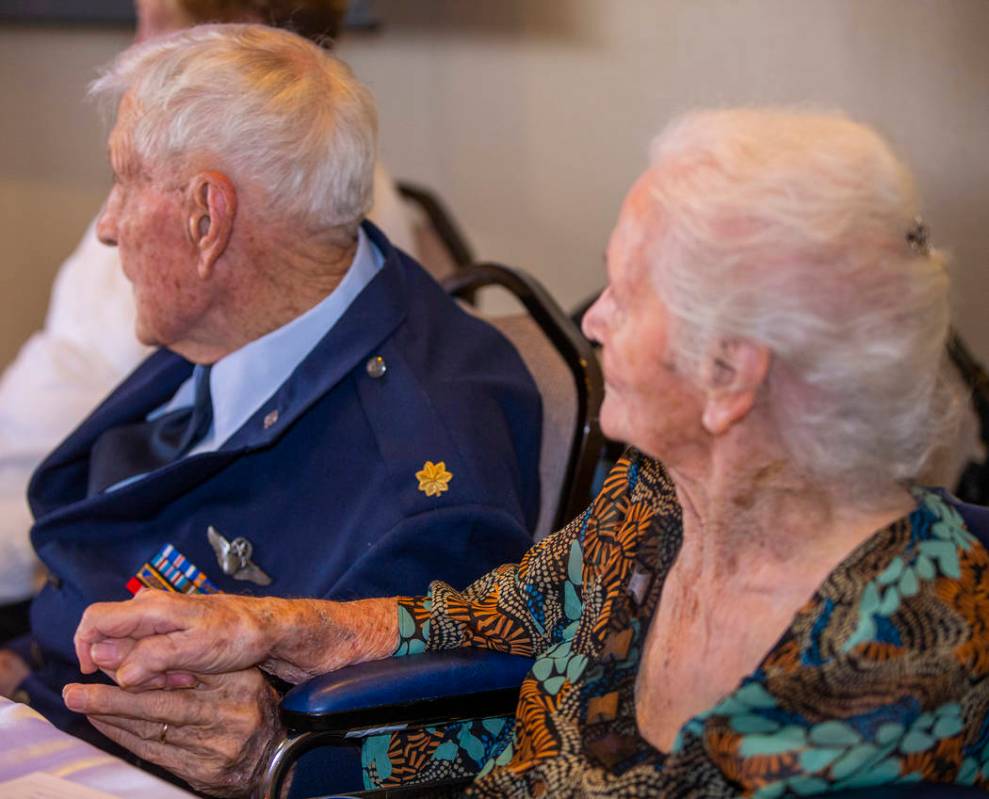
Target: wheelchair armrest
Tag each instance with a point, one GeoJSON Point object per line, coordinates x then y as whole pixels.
{"type": "Point", "coordinates": [341, 708]}
{"type": "Point", "coordinates": [425, 688]}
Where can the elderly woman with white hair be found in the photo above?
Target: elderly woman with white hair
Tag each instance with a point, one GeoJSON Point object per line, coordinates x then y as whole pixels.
{"type": "Point", "coordinates": [761, 600]}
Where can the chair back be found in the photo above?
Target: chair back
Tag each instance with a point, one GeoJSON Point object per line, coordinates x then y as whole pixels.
{"type": "Point", "coordinates": [569, 380]}
{"type": "Point", "coordinates": [441, 246]}
{"type": "Point", "coordinates": [973, 483]}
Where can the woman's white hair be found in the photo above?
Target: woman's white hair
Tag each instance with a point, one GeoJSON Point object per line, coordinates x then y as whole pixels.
{"type": "Point", "coordinates": [273, 109]}
{"type": "Point", "coordinates": [798, 231]}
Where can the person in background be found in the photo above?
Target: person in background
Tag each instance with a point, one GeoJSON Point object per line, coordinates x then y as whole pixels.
{"type": "Point", "coordinates": [320, 419]}
{"type": "Point", "coordinates": [87, 345]}
{"type": "Point", "coordinates": [762, 600]}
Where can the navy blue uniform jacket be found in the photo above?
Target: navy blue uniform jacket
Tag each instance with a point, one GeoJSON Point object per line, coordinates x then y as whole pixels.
{"type": "Point", "coordinates": [327, 494]}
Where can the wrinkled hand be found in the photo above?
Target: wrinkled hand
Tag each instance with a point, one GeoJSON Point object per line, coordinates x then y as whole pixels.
{"type": "Point", "coordinates": [158, 639]}
{"type": "Point", "coordinates": [13, 670]}
{"type": "Point", "coordinates": [219, 735]}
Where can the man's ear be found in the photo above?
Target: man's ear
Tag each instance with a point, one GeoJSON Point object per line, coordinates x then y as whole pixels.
{"type": "Point", "coordinates": [211, 209]}
{"type": "Point", "coordinates": [733, 373]}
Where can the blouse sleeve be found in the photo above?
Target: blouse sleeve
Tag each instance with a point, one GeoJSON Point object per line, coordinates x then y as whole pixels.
{"type": "Point", "coordinates": [516, 608]}
{"type": "Point", "coordinates": [519, 608]}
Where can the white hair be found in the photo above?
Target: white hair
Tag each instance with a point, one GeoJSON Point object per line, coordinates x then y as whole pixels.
{"type": "Point", "coordinates": [270, 107]}
{"type": "Point", "coordinates": [790, 229]}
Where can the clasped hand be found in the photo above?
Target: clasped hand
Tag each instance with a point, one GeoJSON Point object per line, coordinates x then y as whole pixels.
{"type": "Point", "coordinates": [191, 663]}
{"type": "Point", "coordinates": [190, 699]}
{"type": "Point", "coordinates": [217, 736]}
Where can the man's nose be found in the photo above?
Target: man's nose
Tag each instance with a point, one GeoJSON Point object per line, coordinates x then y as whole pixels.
{"type": "Point", "coordinates": [106, 225]}
{"type": "Point", "coordinates": [590, 324]}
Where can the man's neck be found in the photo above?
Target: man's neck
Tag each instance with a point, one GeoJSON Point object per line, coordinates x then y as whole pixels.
{"type": "Point", "coordinates": [265, 292]}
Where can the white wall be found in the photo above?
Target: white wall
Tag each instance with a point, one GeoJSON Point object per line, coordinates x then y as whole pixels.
{"type": "Point", "coordinates": [532, 117]}
{"type": "Point", "coordinates": [53, 167]}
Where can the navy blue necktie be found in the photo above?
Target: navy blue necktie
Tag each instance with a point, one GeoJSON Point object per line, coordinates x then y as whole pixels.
{"type": "Point", "coordinates": [139, 448]}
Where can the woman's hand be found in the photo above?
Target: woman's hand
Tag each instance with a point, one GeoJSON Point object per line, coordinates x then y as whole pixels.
{"type": "Point", "coordinates": [160, 640]}
{"type": "Point", "coordinates": [219, 735]}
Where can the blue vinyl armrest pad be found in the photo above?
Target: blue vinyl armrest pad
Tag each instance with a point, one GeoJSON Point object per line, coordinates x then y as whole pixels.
{"type": "Point", "coordinates": [406, 680]}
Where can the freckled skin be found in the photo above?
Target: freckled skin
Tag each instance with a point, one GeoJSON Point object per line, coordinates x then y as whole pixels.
{"type": "Point", "coordinates": [144, 218]}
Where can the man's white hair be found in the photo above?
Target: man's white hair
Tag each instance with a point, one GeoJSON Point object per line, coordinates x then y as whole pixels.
{"type": "Point", "coordinates": [792, 229]}
{"type": "Point", "coordinates": [269, 107]}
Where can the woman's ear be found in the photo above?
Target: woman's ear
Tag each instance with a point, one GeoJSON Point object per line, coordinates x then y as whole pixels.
{"type": "Point", "coordinates": [211, 208]}
{"type": "Point", "coordinates": [733, 373]}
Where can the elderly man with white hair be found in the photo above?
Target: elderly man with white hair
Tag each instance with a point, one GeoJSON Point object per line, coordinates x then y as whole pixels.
{"type": "Point", "coordinates": [78, 357]}
{"type": "Point", "coordinates": [762, 600]}
{"type": "Point", "coordinates": [321, 419]}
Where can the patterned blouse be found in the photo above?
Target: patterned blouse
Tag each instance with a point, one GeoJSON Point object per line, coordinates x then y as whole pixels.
{"type": "Point", "coordinates": [879, 678]}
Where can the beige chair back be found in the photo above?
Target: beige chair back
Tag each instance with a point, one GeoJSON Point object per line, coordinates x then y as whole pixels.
{"type": "Point", "coordinates": [559, 395]}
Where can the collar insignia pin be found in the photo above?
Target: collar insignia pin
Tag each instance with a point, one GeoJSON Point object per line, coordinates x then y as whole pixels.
{"type": "Point", "coordinates": [376, 367]}
{"type": "Point", "coordinates": [433, 478]}
{"type": "Point", "coordinates": [270, 418]}
{"type": "Point", "coordinates": [234, 557]}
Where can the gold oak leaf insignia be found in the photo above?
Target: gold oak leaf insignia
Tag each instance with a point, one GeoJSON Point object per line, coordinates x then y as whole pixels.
{"type": "Point", "coordinates": [434, 479]}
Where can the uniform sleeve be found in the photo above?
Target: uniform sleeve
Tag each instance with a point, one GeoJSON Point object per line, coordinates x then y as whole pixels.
{"type": "Point", "coordinates": [454, 544]}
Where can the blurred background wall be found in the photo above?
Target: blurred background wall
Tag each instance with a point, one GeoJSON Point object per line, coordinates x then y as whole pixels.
{"type": "Point", "coordinates": [532, 117]}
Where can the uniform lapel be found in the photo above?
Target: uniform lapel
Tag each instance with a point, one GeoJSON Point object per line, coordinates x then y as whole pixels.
{"type": "Point", "coordinates": [61, 478]}
{"type": "Point", "coordinates": [369, 320]}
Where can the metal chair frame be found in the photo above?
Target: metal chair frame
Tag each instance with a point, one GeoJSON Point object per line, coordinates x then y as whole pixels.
{"type": "Point", "coordinates": [579, 357]}
{"type": "Point", "coordinates": [486, 684]}
{"type": "Point", "coordinates": [441, 220]}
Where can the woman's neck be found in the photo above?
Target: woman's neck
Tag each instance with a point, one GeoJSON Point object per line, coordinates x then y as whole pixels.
{"type": "Point", "coordinates": [751, 515]}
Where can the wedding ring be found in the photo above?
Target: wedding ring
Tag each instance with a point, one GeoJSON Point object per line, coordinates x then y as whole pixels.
{"type": "Point", "coordinates": [164, 730]}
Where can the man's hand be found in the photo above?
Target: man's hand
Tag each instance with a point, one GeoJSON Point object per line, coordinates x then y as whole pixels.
{"type": "Point", "coordinates": [159, 639]}
{"type": "Point", "coordinates": [219, 734]}
{"type": "Point", "coordinates": [13, 670]}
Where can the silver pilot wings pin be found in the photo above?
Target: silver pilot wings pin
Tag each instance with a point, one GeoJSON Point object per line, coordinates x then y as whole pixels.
{"type": "Point", "coordinates": [234, 557]}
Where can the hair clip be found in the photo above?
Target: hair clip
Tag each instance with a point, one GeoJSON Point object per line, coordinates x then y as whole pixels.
{"type": "Point", "coordinates": [917, 237]}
